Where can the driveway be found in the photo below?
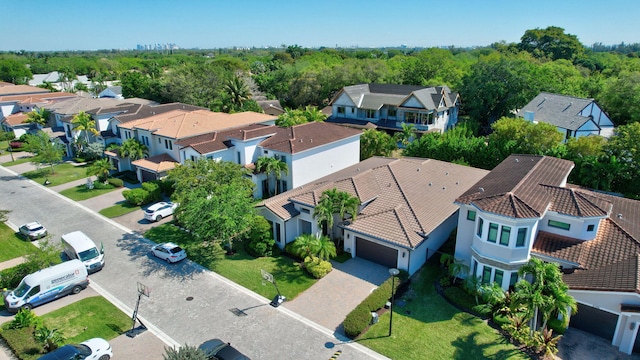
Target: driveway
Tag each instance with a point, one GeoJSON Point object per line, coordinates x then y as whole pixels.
{"type": "Point", "coordinates": [331, 298]}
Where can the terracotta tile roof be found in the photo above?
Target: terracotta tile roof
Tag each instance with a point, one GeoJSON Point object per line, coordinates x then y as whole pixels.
{"type": "Point", "coordinates": [157, 163]}
{"type": "Point", "coordinates": [219, 140]}
{"type": "Point", "coordinates": [146, 110]}
{"type": "Point", "coordinates": [16, 119]}
{"type": "Point", "coordinates": [568, 201]}
{"type": "Point", "coordinates": [75, 105]}
{"type": "Point", "coordinates": [21, 89]}
{"type": "Point", "coordinates": [513, 188]}
{"type": "Point", "coordinates": [180, 124]}
{"type": "Point", "coordinates": [307, 136]}
{"type": "Point", "coordinates": [42, 98]}
{"type": "Point", "coordinates": [407, 198]}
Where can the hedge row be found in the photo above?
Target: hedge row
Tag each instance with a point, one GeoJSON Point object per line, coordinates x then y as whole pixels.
{"type": "Point", "coordinates": [10, 278]}
{"type": "Point", "coordinates": [360, 317]}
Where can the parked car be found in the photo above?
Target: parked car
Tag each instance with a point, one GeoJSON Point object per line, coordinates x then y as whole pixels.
{"type": "Point", "coordinates": [220, 350]}
{"type": "Point", "coordinates": [96, 348]}
{"type": "Point", "coordinates": [160, 210]}
{"type": "Point", "coordinates": [33, 230]}
{"type": "Point", "coordinates": [169, 252]}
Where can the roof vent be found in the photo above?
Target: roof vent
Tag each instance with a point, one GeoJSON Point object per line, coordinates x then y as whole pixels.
{"type": "Point", "coordinates": [481, 189]}
{"type": "Point", "coordinates": [619, 216]}
{"type": "Point", "coordinates": [517, 160]}
{"type": "Point", "coordinates": [457, 182]}
{"type": "Point", "coordinates": [446, 174]}
{"type": "Point", "coordinates": [358, 169]}
{"type": "Point", "coordinates": [418, 169]}
{"type": "Point", "coordinates": [444, 188]}
{"type": "Point", "coordinates": [430, 184]}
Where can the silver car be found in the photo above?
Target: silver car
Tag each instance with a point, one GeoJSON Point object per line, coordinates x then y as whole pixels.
{"type": "Point", "coordinates": [159, 210]}
{"type": "Point", "coordinates": [33, 230]}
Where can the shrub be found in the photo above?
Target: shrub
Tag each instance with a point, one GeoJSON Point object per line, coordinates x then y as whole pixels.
{"type": "Point", "coordinates": [116, 182]}
{"type": "Point", "coordinates": [356, 321]}
{"type": "Point", "coordinates": [10, 278]}
{"type": "Point", "coordinates": [260, 238]}
{"type": "Point", "coordinates": [16, 144]}
{"type": "Point", "coordinates": [101, 185]}
{"type": "Point", "coordinates": [558, 326]}
{"type": "Point", "coordinates": [24, 318]}
{"type": "Point", "coordinates": [316, 267]}
{"type": "Point", "coordinates": [153, 188]}
{"type": "Point", "coordinates": [136, 196]}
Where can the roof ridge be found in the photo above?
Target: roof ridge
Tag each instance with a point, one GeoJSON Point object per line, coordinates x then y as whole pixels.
{"type": "Point", "coordinates": [404, 196]}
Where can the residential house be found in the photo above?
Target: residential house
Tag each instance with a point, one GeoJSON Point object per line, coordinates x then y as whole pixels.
{"type": "Point", "coordinates": [387, 107]}
{"type": "Point", "coordinates": [524, 208]}
{"type": "Point", "coordinates": [58, 83]}
{"type": "Point", "coordinates": [407, 208]}
{"type": "Point", "coordinates": [113, 92]}
{"type": "Point", "coordinates": [270, 107]}
{"type": "Point", "coordinates": [573, 116]}
{"type": "Point", "coordinates": [13, 109]}
{"type": "Point", "coordinates": [161, 132]}
{"type": "Point", "coordinates": [311, 151]}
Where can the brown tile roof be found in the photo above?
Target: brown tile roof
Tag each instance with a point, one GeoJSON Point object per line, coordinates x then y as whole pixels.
{"type": "Point", "coordinates": [219, 140]}
{"type": "Point", "coordinates": [180, 124]}
{"type": "Point", "coordinates": [568, 201]}
{"type": "Point", "coordinates": [145, 110]}
{"type": "Point", "coordinates": [43, 98]}
{"type": "Point", "coordinates": [513, 188]}
{"type": "Point", "coordinates": [21, 89]}
{"type": "Point", "coordinates": [307, 136]}
{"type": "Point", "coordinates": [157, 163]}
{"type": "Point", "coordinates": [407, 198]}
{"type": "Point", "coordinates": [16, 119]}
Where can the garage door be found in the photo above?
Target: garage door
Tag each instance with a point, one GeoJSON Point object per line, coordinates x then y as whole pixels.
{"type": "Point", "coordinates": [594, 321]}
{"type": "Point", "coordinates": [148, 175]}
{"type": "Point", "coordinates": [377, 253]}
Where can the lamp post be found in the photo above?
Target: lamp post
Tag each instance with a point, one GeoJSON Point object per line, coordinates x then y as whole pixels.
{"type": "Point", "coordinates": [393, 272]}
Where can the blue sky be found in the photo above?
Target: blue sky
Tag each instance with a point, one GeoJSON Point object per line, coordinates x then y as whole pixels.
{"type": "Point", "coordinates": [39, 25]}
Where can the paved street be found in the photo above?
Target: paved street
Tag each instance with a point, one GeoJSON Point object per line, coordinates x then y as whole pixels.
{"type": "Point", "coordinates": [188, 304]}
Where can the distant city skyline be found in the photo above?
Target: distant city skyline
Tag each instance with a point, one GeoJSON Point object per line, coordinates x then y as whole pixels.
{"type": "Point", "coordinates": [44, 25]}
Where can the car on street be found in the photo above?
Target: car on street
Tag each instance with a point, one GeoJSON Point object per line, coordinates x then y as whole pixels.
{"type": "Point", "coordinates": [92, 349]}
{"type": "Point", "coordinates": [220, 350]}
{"type": "Point", "coordinates": [33, 230]}
{"type": "Point", "coordinates": [160, 210]}
{"type": "Point", "coordinates": [169, 252]}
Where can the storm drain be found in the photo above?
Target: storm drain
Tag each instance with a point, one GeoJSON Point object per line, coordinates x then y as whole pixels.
{"type": "Point", "coordinates": [189, 298]}
{"type": "Point", "coordinates": [238, 312]}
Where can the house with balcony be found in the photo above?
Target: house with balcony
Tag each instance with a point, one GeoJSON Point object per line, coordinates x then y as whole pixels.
{"type": "Point", "coordinates": [572, 116]}
{"type": "Point", "coordinates": [388, 106]}
{"type": "Point", "coordinates": [407, 209]}
{"type": "Point", "coordinates": [524, 208]}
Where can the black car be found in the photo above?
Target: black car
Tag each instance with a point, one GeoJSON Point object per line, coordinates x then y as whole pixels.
{"type": "Point", "coordinates": [220, 350]}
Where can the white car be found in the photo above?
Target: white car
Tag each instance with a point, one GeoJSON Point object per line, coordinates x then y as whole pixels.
{"type": "Point", "coordinates": [96, 348]}
{"type": "Point", "coordinates": [169, 252]}
{"type": "Point", "coordinates": [33, 230]}
{"type": "Point", "coordinates": [160, 210]}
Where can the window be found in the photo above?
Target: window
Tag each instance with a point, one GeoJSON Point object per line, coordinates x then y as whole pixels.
{"type": "Point", "coordinates": [591, 227]}
{"type": "Point", "coordinates": [514, 279]}
{"type": "Point", "coordinates": [471, 215]}
{"type": "Point", "coordinates": [168, 144]}
{"type": "Point", "coordinates": [480, 225]}
{"type": "Point", "coordinates": [475, 268]}
{"type": "Point", "coordinates": [497, 277]}
{"type": "Point", "coordinates": [370, 114]}
{"type": "Point", "coordinates": [522, 237]}
{"type": "Point", "coordinates": [284, 186]}
{"type": "Point", "coordinates": [392, 112]}
{"type": "Point", "coordinates": [127, 135]}
{"type": "Point", "coordinates": [193, 158]}
{"type": "Point", "coordinates": [239, 158]}
{"type": "Point", "coordinates": [504, 235]}
{"type": "Point", "coordinates": [283, 158]}
{"type": "Point", "coordinates": [341, 110]}
{"type": "Point", "coordinates": [278, 236]}
{"type": "Point", "coordinates": [486, 274]}
{"type": "Point", "coordinates": [559, 225]}
{"type": "Point", "coordinates": [305, 210]}
{"type": "Point", "coordinates": [493, 232]}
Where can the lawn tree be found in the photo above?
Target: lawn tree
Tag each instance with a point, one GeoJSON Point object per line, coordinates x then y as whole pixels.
{"type": "Point", "coordinates": [100, 168]}
{"type": "Point", "coordinates": [273, 168]}
{"type": "Point", "coordinates": [38, 116]}
{"type": "Point", "coordinates": [46, 150]}
{"type": "Point", "coordinates": [376, 143]}
{"type": "Point", "coordinates": [216, 199]}
{"type": "Point", "coordinates": [83, 122]}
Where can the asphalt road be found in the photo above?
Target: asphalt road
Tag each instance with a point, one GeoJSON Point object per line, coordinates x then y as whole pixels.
{"type": "Point", "coordinates": [187, 304]}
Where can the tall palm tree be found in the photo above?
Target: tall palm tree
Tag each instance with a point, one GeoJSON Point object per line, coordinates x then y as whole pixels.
{"type": "Point", "coordinates": [83, 122]}
{"type": "Point", "coordinates": [38, 116]}
{"type": "Point", "coordinates": [408, 132]}
{"type": "Point", "coordinates": [334, 201]}
{"type": "Point", "coordinates": [132, 149]}
{"type": "Point", "coordinates": [238, 91]}
{"type": "Point", "coordinates": [272, 167]}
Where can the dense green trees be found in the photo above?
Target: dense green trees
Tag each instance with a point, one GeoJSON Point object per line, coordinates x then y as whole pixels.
{"type": "Point", "coordinates": [551, 43]}
{"type": "Point", "coordinates": [14, 71]}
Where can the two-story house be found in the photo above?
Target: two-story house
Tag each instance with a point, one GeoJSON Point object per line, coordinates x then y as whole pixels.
{"type": "Point", "coordinates": [14, 109]}
{"type": "Point", "coordinates": [406, 212]}
{"type": "Point", "coordinates": [387, 107]}
{"type": "Point", "coordinates": [524, 208]}
{"type": "Point", "coordinates": [310, 151]}
{"type": "Point", "coordinates": [572, 116]}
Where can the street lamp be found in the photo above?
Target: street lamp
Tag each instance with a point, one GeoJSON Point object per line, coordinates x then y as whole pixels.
{"type": "Point", "coordinates": [393, 272]}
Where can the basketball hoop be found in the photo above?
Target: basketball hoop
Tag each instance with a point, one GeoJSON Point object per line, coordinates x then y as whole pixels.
{"type": "Point", "coordinates": [266, 276]}
{"type": "Point", "coordinates": [143, 289]}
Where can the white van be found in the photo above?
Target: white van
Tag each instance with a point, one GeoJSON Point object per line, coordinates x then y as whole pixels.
{"type": "Point", "coordinates": [48, 284]}
{"type": "Point", "coordinates": [77, 245]}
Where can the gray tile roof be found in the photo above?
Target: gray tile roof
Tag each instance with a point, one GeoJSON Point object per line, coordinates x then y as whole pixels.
{"type": "Point", "coordinates": [559, 110]}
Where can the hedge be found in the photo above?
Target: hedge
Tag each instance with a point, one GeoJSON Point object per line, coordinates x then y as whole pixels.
{"type": "Point", "coordinates": [10, 278]}
{"type": "Point", "coordinates": [116, 182]}
{"type": "Point", "coordinates": [360, 317]}
{"type": "Point", "coordinates": [316, 267]}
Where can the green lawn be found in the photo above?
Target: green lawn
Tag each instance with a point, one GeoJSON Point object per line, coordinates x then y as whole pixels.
{"type": "Point", "coordinates": [63, 173]}
{"type": "Point", "coordinates": [120, 209]}
{"type": "Point", "coordinates": [428, 327]}
{"type": "Point", "coordinates": [12, 244]}
{"type": "Point", "coordinates": [79, 321]}
{"type": "Point", "coordinates": [81, 192]}
{"type": "Point", "coordinates": [241, 267]}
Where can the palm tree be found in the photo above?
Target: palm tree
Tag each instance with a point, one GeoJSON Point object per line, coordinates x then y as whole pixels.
{"type": "Point", "coordinates": [38, 116]}
{"type": "Point", "coordinates": [408, 132]}
{"type": "Point", "coordinates": [272, 166]}
{"type": "Point", "coordinates": [334, 201]}
{"type": "Point", "coordinates": [312, 113]}
{"type": "Point", "coordinates": [304, 245]}
{"type": "Point", "coordinates": [132, 149]}
{"type": "Point", "coordinates": [100, 168]}
{"type": "Point", "coordinates": [83, 122]}
{"type": "Point", "coordinates": [325, 249]}
{"type": "Point", "coordinates": [238, 91]}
